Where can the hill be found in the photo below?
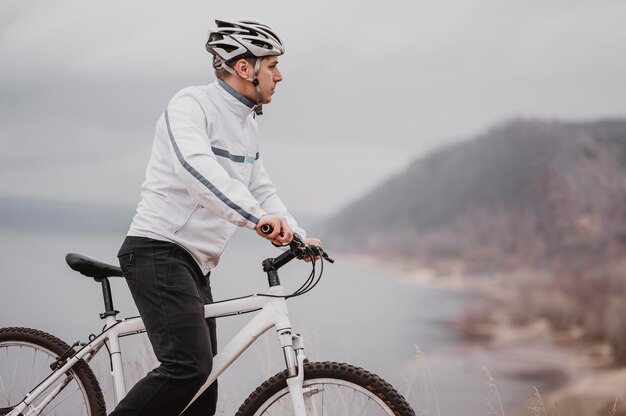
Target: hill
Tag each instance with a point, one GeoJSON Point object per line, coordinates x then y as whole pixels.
{"type": "Point", "coordinates": [536, 207]}
{"type": "Point", "coordinates": [526, 190]}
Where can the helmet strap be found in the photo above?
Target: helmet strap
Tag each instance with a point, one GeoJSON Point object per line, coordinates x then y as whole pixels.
{"type": "Point", "coordinates": [222, 65]}
{"type": "Point", "coordinates": [258, 108]}
{"type": "Point", "coordinates": [257, 67]}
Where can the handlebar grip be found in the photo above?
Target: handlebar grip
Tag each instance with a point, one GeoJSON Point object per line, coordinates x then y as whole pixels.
{"type": "Point", "coordinates": [297, 244]}
{"type": "Point", "coordinates": [268, 229]}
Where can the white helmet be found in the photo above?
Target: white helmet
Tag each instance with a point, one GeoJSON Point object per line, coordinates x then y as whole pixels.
{"type": "Point", "coordinates": [232, 39]}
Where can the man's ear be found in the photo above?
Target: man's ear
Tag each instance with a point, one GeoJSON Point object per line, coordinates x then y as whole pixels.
{"type": "Point", "coordinates": [242, 67]}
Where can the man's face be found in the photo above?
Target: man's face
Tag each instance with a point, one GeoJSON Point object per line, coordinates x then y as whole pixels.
{"type": "Point", "coordinates": [269, 76]}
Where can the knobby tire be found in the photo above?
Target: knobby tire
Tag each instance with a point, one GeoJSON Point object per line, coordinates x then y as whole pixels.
{"type": "Point", "coordinates": [20, 346]}
{"type": "Point", "coordinates": [351, 390]}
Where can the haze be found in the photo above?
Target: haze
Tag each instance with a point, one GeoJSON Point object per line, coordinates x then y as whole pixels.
{"type": "Point", "coordinates": [368, 85]}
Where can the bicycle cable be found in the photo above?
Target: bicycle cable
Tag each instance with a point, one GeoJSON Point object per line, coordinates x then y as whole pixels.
{"type": "Point", "coordinates": [312, 280]}
{"type": "Point", "coordinates": [300, 251]}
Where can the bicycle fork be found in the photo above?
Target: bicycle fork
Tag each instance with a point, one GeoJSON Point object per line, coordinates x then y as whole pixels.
{"type": "Point", "coordinates": [301, 397]}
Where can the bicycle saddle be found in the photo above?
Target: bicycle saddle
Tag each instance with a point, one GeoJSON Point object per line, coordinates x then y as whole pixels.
{"type": "Point", "coordinates": [90, 267]}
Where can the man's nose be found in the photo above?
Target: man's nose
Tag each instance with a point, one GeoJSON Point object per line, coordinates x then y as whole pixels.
{"type": "Point", "coordinates": [278, 76]}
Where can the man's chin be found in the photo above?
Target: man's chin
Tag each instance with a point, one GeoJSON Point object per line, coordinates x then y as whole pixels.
{"type": "Point", "coordinates": [268, 99]}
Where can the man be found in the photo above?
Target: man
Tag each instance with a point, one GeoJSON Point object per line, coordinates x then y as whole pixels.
{"type": "Point", "coordinates": [205, 178]}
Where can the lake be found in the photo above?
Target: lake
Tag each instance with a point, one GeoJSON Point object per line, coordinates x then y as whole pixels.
{"type": "Point", "coordinates": [356, 315]}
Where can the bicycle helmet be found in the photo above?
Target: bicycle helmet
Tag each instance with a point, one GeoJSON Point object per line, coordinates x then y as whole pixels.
{"type": "Point", "coordinates": [247, 38]}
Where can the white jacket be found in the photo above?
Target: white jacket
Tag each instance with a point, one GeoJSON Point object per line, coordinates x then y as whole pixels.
{"type": "Point", "coordinates": [205, 176]}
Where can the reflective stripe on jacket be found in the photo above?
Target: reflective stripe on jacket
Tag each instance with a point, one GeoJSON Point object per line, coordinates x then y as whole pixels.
{"type": "Point", "coordinates": [205, 176]}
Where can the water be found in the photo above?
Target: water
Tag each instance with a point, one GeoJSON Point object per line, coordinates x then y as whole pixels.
{"type": "Point", "coordinates": [355, 315]}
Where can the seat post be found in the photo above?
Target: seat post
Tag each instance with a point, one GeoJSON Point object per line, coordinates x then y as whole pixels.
{"type": "Point", "coordinates": [109, 310]}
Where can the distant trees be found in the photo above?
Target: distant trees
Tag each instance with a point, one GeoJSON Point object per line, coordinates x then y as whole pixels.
{"type": "Point", "coordinates": [545, 196]}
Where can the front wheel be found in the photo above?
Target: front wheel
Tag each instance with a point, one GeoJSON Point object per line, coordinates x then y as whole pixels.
{"type": "Point", "coordinates": [25, 358]}
{"type": "Point", "coordinates": [330, 389]}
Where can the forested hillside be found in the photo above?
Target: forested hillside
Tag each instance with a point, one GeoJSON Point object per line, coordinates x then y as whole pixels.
{"type": "Point", "coordinates": [523, 191]}
{"type": "Point", "coordinates": [544, 196]}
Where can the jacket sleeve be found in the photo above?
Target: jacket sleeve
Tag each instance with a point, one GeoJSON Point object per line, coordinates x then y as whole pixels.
{"type": "Point", "coordinates": [196, 165]}
{"type": "Point", "coordinates": [264, 191]}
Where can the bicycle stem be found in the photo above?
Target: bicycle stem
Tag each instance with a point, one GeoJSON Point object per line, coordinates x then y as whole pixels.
{"type": "Point", "coordinates": [271, 266]}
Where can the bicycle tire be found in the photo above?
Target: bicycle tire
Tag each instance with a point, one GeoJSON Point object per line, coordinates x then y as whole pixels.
{"type": "Point", "coordinates": [25, 350]}
{"type": "Point", "coordinates": [368, 393]}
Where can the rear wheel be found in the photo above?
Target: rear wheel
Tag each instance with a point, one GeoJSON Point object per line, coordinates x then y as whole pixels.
{"type": "Point", "coordinates": [25, 358]}
{"type": "Point", "coordinates": [330, 389]}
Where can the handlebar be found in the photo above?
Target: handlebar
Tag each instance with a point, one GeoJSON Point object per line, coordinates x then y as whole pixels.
{"type": "Point", "coordinates": [298, 248]}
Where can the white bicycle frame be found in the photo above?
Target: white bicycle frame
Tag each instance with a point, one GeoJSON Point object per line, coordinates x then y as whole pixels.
{"type": "Point", "coordinates": [273, 313]}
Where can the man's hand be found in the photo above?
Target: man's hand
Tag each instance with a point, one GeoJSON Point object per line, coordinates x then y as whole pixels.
{"type": "Point", "coordinates": [282, 233]}
{"type": "Point", "coordinates": [312, 242]}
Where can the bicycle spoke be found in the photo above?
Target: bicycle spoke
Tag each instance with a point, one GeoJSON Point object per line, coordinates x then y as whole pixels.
{"type": "Point", "coordinates": [1, 378]}
{"type": "Point", "coordinates": [44, 363]}
{"type": "Point", "coordinates": [352, 400]}
{"type": "Point", "coordinates": [341, 400]}
{"type": "Point", "coordinates": [15, 373]}
{"type": "Point", "coordinates": [330, 401]}
{"type": "Point", "coordinates": [364, 406]}
{"type": "Point", "coordinates": [23, 373]}
{"type": "Point", "coordinates": [63, 400]}
{"type": "Point", "coordinates": [32, 369]}
{"type": "Point", "coordinates": [286, 406]}
{"type": "Point", "coordinates": [28, 354]}
{"type": "Point", "coordinates": [286, 403]}
{"type": "Point", "coordinates": [70, 409]}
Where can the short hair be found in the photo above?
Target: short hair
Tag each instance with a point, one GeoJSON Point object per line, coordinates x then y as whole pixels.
{"type": "Point", "coordinates": [223, 73]}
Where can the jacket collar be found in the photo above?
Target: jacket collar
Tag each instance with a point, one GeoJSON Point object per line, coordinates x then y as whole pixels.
{"type": "Point", "coordinates": [239, 104]}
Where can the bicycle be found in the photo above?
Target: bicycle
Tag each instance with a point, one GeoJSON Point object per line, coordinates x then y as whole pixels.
{"type": "Point", "coordinates": [41, 374]}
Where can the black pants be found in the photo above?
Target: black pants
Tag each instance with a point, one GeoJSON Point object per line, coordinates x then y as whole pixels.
{"type": "Point", "coordinates": [170, 291]}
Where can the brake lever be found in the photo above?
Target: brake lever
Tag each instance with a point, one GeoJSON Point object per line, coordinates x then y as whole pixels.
{"type": "Point", "coordinates": [328, 259]}
{"type": "Point", "coordinates": [298, 247]}
{"type": "Point", "coordinates": [318, 251]}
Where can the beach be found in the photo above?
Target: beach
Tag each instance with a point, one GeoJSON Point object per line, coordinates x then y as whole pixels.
{"type": "Point", "coordinates": [578, 377]}
{"type": "Point", "coordinates": [567, 375]}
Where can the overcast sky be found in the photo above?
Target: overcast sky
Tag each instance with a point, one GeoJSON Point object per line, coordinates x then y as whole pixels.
{"type": "Point", "coordinates": [368, 85]}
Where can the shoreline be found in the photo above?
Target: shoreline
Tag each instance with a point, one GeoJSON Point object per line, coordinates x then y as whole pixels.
{"type": "Point", "coordinates": [576, 378]}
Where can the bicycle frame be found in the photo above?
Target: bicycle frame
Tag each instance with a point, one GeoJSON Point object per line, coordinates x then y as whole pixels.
{"type": "Point", "coordinates": [273, 313]}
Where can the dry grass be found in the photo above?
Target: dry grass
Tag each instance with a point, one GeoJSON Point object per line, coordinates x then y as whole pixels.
{"type": "Point", "coordinates": [540, 408]}
{"type": "Point", "coordinates": [427, 385]}
{"type": "Point", "coordinates": [493, 388]}
{"type": "Point", "coordinates": [423, 384]}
